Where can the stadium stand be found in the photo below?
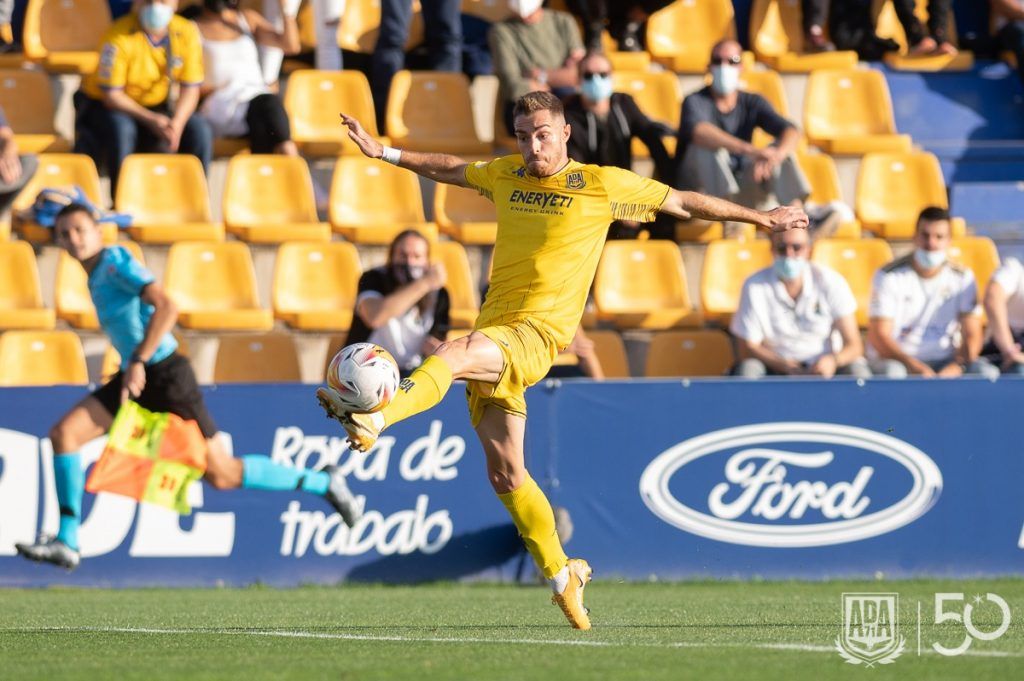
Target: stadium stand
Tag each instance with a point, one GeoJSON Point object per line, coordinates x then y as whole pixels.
{"type": "Point", "coordinates": [850, 112]}
{"type": "Point", "coordinates": [64, 36]}
{"type": "Point", "coordinates": [681, 35]}
{"type": "Point", "coordinates": [416, 122]}
{"type": "Point", "coordinates": [892, 188]}
{"type": "Point", "coordinates": [465, 215]}
{"type": "Point", "coordinates": [659, 96]}
{"type": "Point", "coordinates": [313, 100]}
{"type": "Point", "coordinates": [727, 264]}
{"type": "Point", "coordinates": [611, 352]}
{"type": "Point", "coordinates": [72, 301]}
{"type": "Point", "coordinates": [360, 26]}
{"type": "Point", "coordinates": [37, 358]}
{"type": "Point", "coordinates": [704, 352]}
{"type": "Point", "coordinates": [263, 358]}
{"type": "Point", "coordinates": [27, 100]}
{"type": "Point", "coordinates": [777, 38]}
{"type": "Point", "coordinates": [58, 171]}
{"type": "Point", "coordinates": [462, 292]}
{"type": "Point", "coordinates": [821, 173]}
{"type": "Point", "coordinates": [887, 25]}
{"type": "Point", "coordinates": [979, 254]}
{"type": "Point", "coordinates": [856, 260]}
{"type": "Point", "coordinates": [269, 199]}
{"type": "Point", "coordinates": [314, 286]}
{"type": "Point", "coordinates": [21, 298]}
{"type": "Point", "coordinates": [167, 197]}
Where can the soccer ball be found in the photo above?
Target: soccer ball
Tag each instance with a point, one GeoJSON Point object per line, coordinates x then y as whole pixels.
{"type": "Point", "coordinates": [365, 376]}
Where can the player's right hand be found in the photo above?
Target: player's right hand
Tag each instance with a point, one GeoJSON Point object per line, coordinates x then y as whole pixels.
{"type": "Point", "coordinates": [785, 218]}
{"type": "Point", "coordinates": [369, 146]}
{"type": "Point", "coordinates": [133, 381]}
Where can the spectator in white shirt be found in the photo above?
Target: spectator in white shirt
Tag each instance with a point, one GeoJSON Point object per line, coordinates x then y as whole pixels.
{"type": "Point", "coordinates": [925, 317]}
{"type": "Point", "coordinates": [790, 315]}
{"type": "Point", "coordinates": [1004, 304]}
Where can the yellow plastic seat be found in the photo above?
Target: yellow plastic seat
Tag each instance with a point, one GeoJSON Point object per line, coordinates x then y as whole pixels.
{"type": "Point", "coordinates": [659, 96]}
{"type": "Point", "coordinates": [611, 352]}
{"type": "Point", "coordinates": [465, 215]}
{"type": "Point", "coordinates": [979, 254]}
{"type": "Point", "coordinates": [167, 198]}
{"type": "Point", "coordinates": [704, 352]}
{"type": "Point", "coordinates": [823, 177]}
{"type": "Point", "coordinates": [727, 264]}
{"type": "Point", "coordinates": [5, 230]}
{"type": "Point", "coordinates": [415, 122]}
{"type": "Point", "coordinates": [777, 36]}
{"type": "Point", "coordinates": [269, 199]}
{"type": "Point", "coordinates": [642, 284]}
{"type": "Point", "coordinates": [41, 358]}
{"type": "Point", "coordinates": [681, 35]}
{"type": "Point", "coordinates": [769, 85]}
{"type": "Point", "coordinates": [893, 188]}
{"type": "Point", "coordinates": [372, 201]}
{"type": "Point", "coordinates": [702, 231]}
{"type": "Point", "coordinates": [313, 101]}
{"type": "Point", "coordinates": [71, 290]}
{"type": "Point", "coordinates": [64, 35]}
{"type": "Point", "coordinates": [21, 298]}
{"type": "Point", "coordinates": [850, 112]}
{"type": "Point", "coordinates": [214, 286]}
{"type": "Point", "coordinates": [463, 298]}
{"type": "Point", "coordinates": [315, 285]}
{"type": "Point", "coordinates": [257, 358]}
{"type": "Point", "coordinates": [27, 101]}
{"type": "Point", "coordinates": [61, 171]}
{"type": "Point", "coordinates": [360, 26]}
{"type": "Point", "coordinates": [887, 25]}
{"type": "Point", "coordinates": [856, 260]}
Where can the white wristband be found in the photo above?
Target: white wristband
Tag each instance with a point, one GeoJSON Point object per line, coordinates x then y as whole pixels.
{"type": "Point", "coordinates": [391, 155]}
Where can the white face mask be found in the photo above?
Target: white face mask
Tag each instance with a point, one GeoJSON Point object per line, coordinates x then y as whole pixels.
{"type": "Point", "coordinates": [524, 8]}
{"type": "Point", "coordinates": [725, 78]}
{"type": "Point", "coordinates": [929, 260]}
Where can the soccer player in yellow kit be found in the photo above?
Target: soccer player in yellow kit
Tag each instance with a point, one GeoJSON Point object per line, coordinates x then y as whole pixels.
{"type": "Point", "coordinates": [553, 217]}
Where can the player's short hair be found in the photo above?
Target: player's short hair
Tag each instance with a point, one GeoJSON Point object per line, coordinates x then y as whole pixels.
{"type": "Point", "coordinates": [533, 102]}
{"type": "Point", "coordinates": [932, 214]}
{"type": "Point", "coordinates": [402, 236]}
{"type": "Point", "coordinates": [71, 209]}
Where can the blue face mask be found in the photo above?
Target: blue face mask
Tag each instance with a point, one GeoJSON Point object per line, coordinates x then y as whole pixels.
{"type": "Point", "coordinates": [155, 17]}
{"type": "Point", "coordinates": [597, 88]}
{"type": "Point", "coordinates": [929, 260]}
{"type": "Point", "coordinates": [789, 269]}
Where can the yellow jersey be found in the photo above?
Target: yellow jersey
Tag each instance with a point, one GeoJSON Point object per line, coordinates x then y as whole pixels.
{"type": "Point", "coordinates": [551, 231]}
{"type": "Point", "coordinates": [129, 61]}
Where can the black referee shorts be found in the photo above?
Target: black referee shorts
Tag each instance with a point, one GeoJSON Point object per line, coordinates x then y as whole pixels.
{"type": "Point", "coordinates": [170, 386]}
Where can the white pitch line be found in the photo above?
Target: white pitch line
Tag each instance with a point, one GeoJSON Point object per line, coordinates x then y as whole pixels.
{"type": "Point", "coordinates": [793, 647]}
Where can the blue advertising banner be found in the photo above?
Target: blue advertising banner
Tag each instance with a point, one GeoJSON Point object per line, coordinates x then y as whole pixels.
{"type": "Point", "coordinates": [717, 478]}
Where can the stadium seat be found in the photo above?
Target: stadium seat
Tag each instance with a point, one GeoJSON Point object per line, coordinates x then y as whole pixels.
{"type": "Point", "coordinates": [262, 358]}
{"type": "Point", "coordinates": [5, 230]}
{"type": "Point", "coordinates": [611, 353]}
{"type": "Point", "coordinates": [415, 122]}
{"type": "Point", "coordinates": [465, 215]}
{"type": "Point", "coordinates": [887, 25]}
{"type": "Point", "coordinates": [659, 96]}
{"type": "Point", "coordinates": [40, 358]}
{"type": "Point", "coordinates": [58, 171]}
{"type": "Point", "coordinates": [893, 188]}
{"type": "Point", "coordinates": [857, 260]}
{"type": "Point", "coordinates": [313, 100]}
{"type": "Point", "coordinates": [702, 231]}
{"type": "Point", "coordinates": [269, 199]}
{"type": "Point", "coordinates": [64, 35]}
{"type": "Point", "coordinates": [777, 37]}
{"type": "Point", "coordinates": [21, 298]}
{"type": "Point", "coordinates": [71, 290]}
{"type": "Point", "coordinates": [642, 284]}
{"type": "Point", "coordinates": [823, 177]}
{"type": "Point", "coordinates": [704, 352]}
{"type": "Point", "coordinates": [167, 198]}
{"type": "Point", "coordinates": [769, 85]}
{"type": "Point", "coordinates": [979, 254]}
{"type": "Point", "coordinates": [371, 201]}
{"type": "Point", "coordinates": [462, 289]}
{"type": "Point", "coordinates": [681, 35]}
{"type": "Point", "coordinates": [727, 264]}
{"type": "Point", "coordinates": [360, 26]}
{"type": "Point", "coordinates": [214, 286]}
{"type": "Point", "coordinates": [850, 112]}
{"type": "Point", "coordinates": [623, 61]}
{"type": "Point", "coordinates": [315, 285]}
{"type": "Point", "coordinates": [12, 59]}
{"type": "Point", "coordinates": [27, 101]}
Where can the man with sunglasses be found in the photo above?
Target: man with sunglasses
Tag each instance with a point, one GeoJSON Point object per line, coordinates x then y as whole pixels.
{"type": "Point", "coordinates": [789, 314]}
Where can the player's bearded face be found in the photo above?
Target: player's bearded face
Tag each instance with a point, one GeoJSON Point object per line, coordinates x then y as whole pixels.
{"type": "Point", "coordinates": [542, 141]}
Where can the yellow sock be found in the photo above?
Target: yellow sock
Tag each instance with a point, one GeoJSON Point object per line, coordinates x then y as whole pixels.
{"type": "Point", "coordinates": [535, 521]}
{"type": "Point", "coordinates": [422, 390]}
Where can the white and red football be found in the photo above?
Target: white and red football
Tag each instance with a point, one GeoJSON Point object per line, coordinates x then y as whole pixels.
{"type": "Point", "coordinates": [365, 376]}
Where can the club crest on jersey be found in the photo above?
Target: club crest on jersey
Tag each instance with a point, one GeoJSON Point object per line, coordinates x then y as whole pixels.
{"type": "Point", "coordinates": [575, 181]}
{"type": "Point", "coordinates": [521, 172]}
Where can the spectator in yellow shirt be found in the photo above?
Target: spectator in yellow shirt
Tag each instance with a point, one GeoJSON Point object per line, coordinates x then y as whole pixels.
{"type": "Point", "coordinates": [143, 96]}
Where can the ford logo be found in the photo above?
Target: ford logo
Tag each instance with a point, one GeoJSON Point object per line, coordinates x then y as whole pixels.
{"type": "Point", "coordinates": [758, 504]}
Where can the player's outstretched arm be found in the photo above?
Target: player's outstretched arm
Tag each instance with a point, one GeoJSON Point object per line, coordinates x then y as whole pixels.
{"type": "Point", "coordinates": [439, 167]}
{"type": "Point", "coordinates": [685, 205]}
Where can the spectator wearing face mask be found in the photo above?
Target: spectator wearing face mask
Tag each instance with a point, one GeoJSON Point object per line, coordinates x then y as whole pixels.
{"type": "Point", "coordinates": [403, 306]}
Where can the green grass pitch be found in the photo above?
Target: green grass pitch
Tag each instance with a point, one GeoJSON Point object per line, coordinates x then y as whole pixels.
{"type": "Point", "coordinates": [696, 630]}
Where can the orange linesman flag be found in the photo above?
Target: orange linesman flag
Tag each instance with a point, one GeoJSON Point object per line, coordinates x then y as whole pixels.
{"type": "Point", "coordinates": [150, 456]}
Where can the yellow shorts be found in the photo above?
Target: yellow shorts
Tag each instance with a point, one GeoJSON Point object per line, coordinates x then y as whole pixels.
{"type": "Point", "coordinates": [528, 348]}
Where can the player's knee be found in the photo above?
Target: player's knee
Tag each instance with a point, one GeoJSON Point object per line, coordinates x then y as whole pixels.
{"type": "Point", "coordinates": [63, 439]}
{"type": "Point", "coordinates": [454, 353]}
{"type": "Point", "coordinates": [506, 479]}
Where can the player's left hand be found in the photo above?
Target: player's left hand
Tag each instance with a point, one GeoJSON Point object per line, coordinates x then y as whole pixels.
{"type": "Point", "coordinates": [785, 218]}
{"type": "Point", "coordinates": [133, 381]}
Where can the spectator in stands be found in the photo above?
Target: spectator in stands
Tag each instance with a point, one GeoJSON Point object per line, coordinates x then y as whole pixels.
{"type": "Point", "coordinates": [1008, 21]}
{"type": "Point", "coordinates": [790, 313]}
{"type": "Point", "coordinates": [15, 169]}
{"type": "Point", "coordinates": [852, 27]}
{"type": "Point", "coordinates": [443, 29]}
{"type": "Point", "coordinates": [403, 306]}
{"type": "Point", "coordinates": [589, 365]}
{"type": "Point", "coordinates": [237, 101]}
{"type": "Point", "coordinates": [815, 13]}
{"type": "Point", "coordinates": [6, 13]}
{"type": "Point", "coordinates": [934, 40]}
{"type": "Point", "coordinates": [129, 105]}
{"type": "Point", "coordinates": [1004, 304]}
{"type": "Point", "coordinates": [625, 21]}
{"type": "Point", "coordinates": [925, 318]}
{"type": "Point", "coordinates": [536, 49]}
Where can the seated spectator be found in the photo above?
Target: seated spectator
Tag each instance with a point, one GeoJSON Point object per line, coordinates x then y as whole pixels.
{"type": "Point", "coordinates": [589, 365]}
{"type": "Point", "coordinates": [815, 13]}
{"type": "Point", "coordinates": [403, 306]}
{"type": "Point", "coordinates": [237, 101]}
{"type": "Point", "coordinates": [934, 40]}
{"type": "Point", "coordinates": [789, 314]}
{"type": "Point", "coordinates": [852, 27]}
{"type": "Point", "coordinates": [537, 49]}
{"type": "Point", "coordinates": [625, 21]}
{"type": "Point", "coordinates": [1008, 21]}
{"type": "Point", "coordinates": [925, 318]}
{"type": "Point", "coordinates": [128, 104]}
{"type": "Point", "coordinates": [1004, 304]}
{"type": "Point", "coordinates": [15, 169]}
